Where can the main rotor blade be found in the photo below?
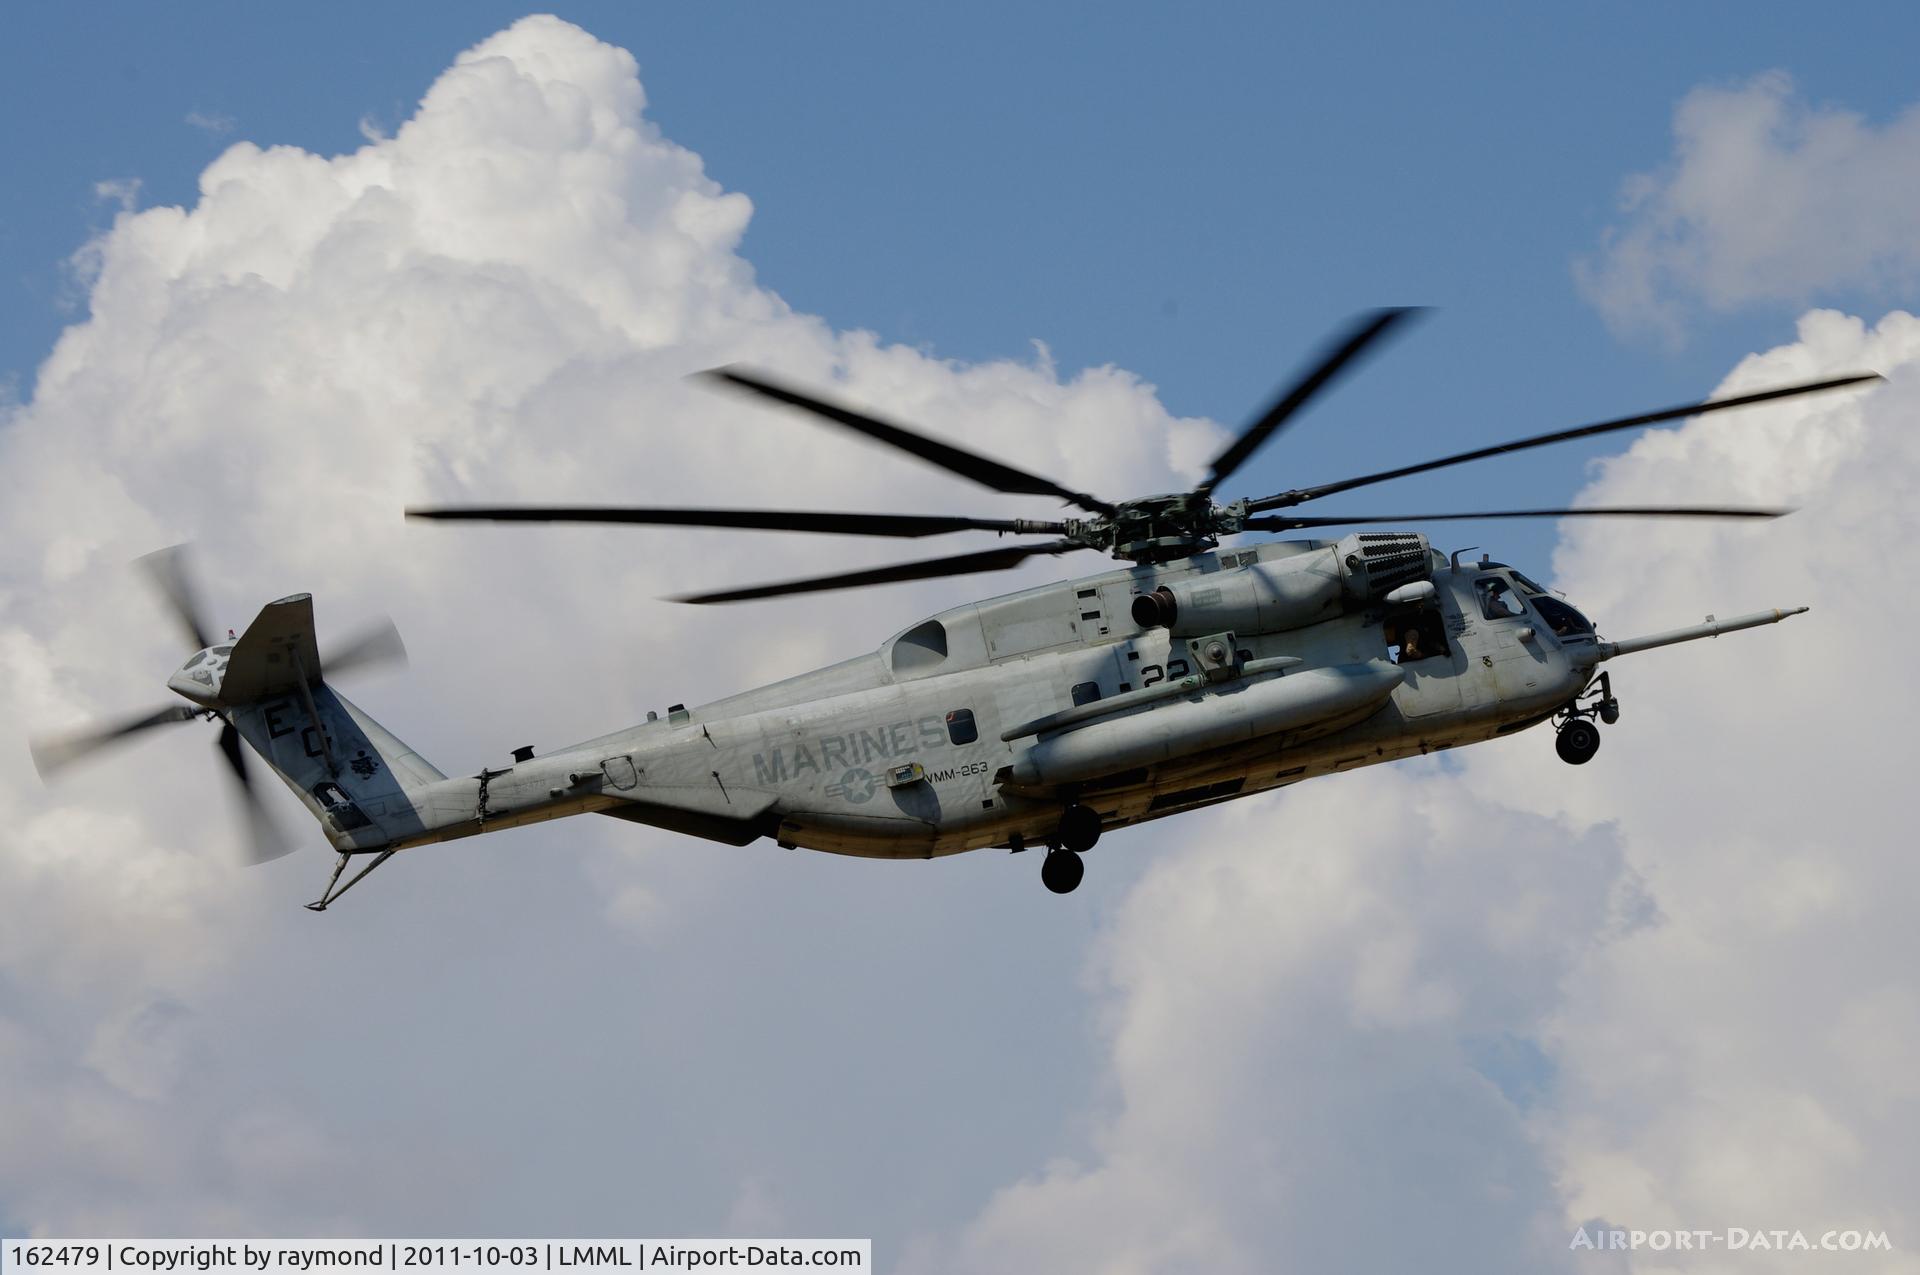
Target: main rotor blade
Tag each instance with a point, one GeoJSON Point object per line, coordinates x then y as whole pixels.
{"type": "Point", "coordinates": [50, 756]}
{"type": "Point", "coordinates": [265, 840]}
{"type": "Point", "coordinates": [903, 525]}
{"type": "Point", "coordinates": [373, 646]}
{"type": "Point", "coordinates": [1364, 332]}
{"type": "Point", "coordinates": [994, 474]}
{"type": "Point", "coordinates": [1303, 494]}
{"type": "Point", "coordinates": [1284, 523]}
{"type": "Point", "coordinates": [168, 569]}
{"type": "Point", "coordinates": [959, 565]}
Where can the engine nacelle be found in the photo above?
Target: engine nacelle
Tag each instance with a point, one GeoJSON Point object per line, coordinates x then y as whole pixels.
{"type": "Point", "coordinates": [1279, 594]}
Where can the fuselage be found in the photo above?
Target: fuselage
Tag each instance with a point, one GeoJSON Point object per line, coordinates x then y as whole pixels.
{"type": "Point", "coordinates": [905, 751]}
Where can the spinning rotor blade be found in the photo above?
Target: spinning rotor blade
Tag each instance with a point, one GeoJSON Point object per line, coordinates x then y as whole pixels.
{"type": "Point", "coordinates": [373, 646]}
{"type": "Point", "coordinates": [168, 569]}
{"type": "Point", "coordinates": [50, 756]}
{"type": "Point", "coordinates": [1303, 494]}
{"type": "Point", "coordinates": [959, 565]}
{"type": "Point", "coordinates": [1283, 523]}
{"type": "Point", "coordinates": [265, 840]}
{"type": "Point", "coordinates": [1365, 331]}
{"type": "Point", "coordinates": [988, 473]}
{"type": "Point", "coordinates": [903, 525]}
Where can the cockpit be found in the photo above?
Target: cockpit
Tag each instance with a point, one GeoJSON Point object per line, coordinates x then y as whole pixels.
{"type": "Point", "coordinates": [1507, 594]}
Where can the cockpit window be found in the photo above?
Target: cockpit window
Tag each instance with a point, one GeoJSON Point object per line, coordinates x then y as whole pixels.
{"type": "Point", "coordinates": [1563, 619]}
{"type": "Point", "coordinates": [197, 657]}
{"type": "Point", "coordinates": [1498, 601]}
{"type": "Point", "coordinates": [1527, 584]}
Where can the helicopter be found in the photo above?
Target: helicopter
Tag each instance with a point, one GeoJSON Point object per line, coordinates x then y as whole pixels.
{"type": "Point", "coordinates": [1036, 720]}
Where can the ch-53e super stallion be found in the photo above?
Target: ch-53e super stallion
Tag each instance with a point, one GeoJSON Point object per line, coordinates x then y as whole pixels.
{"type": "Point", "coordinates": [1043, 718]}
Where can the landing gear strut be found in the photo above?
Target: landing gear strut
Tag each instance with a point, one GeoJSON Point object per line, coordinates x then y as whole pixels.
{"type": "Point", "coordinates": [1579, 739]}
{"type": "Point", "coordinates": [330, 894]}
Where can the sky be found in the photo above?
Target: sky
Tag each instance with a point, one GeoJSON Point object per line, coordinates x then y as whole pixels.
{"type": "Point", "coordinates": [272, 276]}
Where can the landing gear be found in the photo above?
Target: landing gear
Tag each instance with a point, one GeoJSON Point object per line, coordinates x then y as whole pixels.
{"type": "Point", "coordinates": [1577, 741]}
{"type": "Point", "coordinates": [1061, 871]}
{"type": "Point", "coordinates": [1079, 829]}
{"type": "Point", "coordinates": [1063, 867]}
{"type": "Point", "coordinates": [330, 894]}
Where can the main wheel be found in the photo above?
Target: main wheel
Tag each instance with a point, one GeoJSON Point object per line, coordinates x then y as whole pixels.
{"type": "Point", "coordinates": [1079, 828]}
{"type": "Point", "coordinates": [1061, 871]}
{"type": "Point", "coordinates": [1577, 742]}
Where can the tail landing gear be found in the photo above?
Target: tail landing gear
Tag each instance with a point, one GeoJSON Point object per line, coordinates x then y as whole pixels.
{"type": "Point", "coordinates": [1063, 867]}
{"type": "Point", "coordinates": [330, 894]}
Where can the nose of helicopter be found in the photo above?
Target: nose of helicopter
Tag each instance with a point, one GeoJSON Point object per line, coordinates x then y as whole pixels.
{"type": "Point", "coordinates": [200, 677]}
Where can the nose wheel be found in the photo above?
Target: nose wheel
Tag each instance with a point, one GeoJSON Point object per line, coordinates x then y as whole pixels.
{"type": "Point", "coordinates": [1578, 738]}
{"type": "Point", "coordinates": [1577, 741]}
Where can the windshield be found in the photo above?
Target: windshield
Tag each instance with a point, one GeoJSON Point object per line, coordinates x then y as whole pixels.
{"type": "Point", "coordinates": [1564, 620]}
{"type": "Point", "coordinates": [1527, 584]}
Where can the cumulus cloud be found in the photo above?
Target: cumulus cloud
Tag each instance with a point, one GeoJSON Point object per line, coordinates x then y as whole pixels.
{"type": "Point", "coordinates": [1767, 198]}
{"type": "Point", "coordinates": [500, 301]}
{"type": "Point", "coordinates": [1738, 1060]}
{"type": "Point", "coordinates": [1443, 1015]}
{"type": "Point", "coordinates": [1430, 1015]}
{"type": "Point", "coordinates": [1319, 1044]}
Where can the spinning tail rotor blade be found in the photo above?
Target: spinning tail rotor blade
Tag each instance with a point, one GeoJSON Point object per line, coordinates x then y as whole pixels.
{"type": "Point", "coordinates": [961, 564]}
{"type": "Point", "coordinates": [956, 460]}
{"type": "Point", "coordinates": [372, 647]}
{"type": "Point", "coordinates": [50, 756]}
{"type": "Point", "coordinates": [265, 841]}
{"type": "Point", "coordinates": [1366, 331]}
{"type": "Point", "coordinates": [168, 570]}
{"type": "Point", "coordinates": [1288, 523]}
{"type": "Point", "coordinates": [848, 524]}
{"type": "Point", "coordinates": [1303, 494]}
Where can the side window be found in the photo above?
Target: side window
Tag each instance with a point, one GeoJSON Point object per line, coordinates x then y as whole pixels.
{"type": "Point", "coordinates": [1498, 601]}
{"type": "Point", "coordinates": [960, 727]}
{"type": "Point", "coordinates": [1085, 693]}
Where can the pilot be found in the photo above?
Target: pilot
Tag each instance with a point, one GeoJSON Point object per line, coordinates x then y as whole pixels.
{"type": "Point", "coordinates": [1410, 645]}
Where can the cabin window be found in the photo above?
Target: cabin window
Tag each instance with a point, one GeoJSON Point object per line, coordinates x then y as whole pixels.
{"type": "Point", "coordinates": [1498, 601]}
{"type": "Point", "coordinates": [921, 647]}
{"type": "Point", "coordinates": [1085, 693]}
{"type": "Point", "coordinates": [960, 727]}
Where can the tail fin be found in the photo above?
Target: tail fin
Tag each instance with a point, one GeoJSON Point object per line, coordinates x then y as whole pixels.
{"type": "Point", "coordinates": [352, 774]}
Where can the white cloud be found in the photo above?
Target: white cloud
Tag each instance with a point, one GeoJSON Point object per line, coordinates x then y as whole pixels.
{"type": "Point", "coordinates": [1767, 198]}
{"type": "Point", "coordinates": [212, 123]}
{"type": "Point", "coordinates": [502, 300]}
{"type": "Point", "coordinates": [1686, 965]}
{"type": "Point", "coordinates": [1435, 1015]}
{"type": "Point", "coordinates": [1313, 1011]}
{"type": "Point", "coordinates": [1739, 1059]}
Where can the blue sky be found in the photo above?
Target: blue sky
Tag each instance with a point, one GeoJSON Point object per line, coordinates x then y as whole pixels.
{"type": "Point", "coordinates": [1195, 198]}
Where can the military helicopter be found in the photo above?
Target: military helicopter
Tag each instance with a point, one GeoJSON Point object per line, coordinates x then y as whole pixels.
{"type": "Point", "coordinates": [1040, 719]}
